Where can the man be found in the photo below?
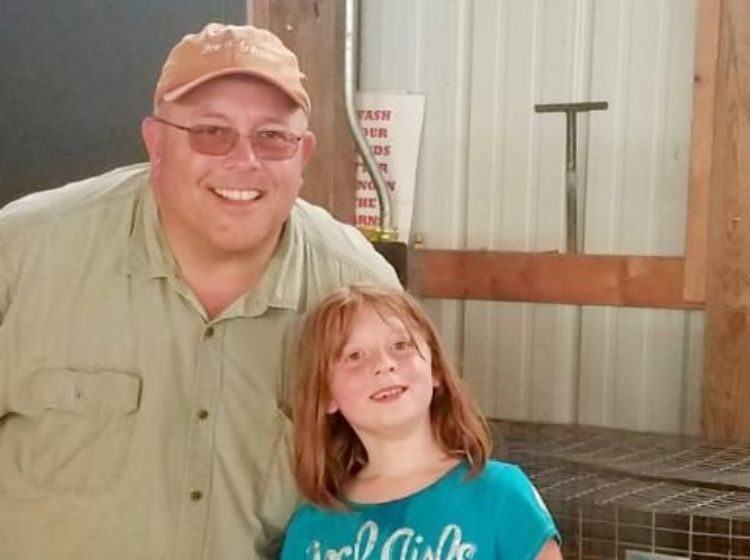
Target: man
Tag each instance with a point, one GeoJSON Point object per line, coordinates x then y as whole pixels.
{"type": "Point", "coordinates": [147, 321]}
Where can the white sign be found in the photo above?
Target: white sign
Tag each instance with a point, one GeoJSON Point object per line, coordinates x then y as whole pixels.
{"type": "Point", "coordinates": [392, 125]}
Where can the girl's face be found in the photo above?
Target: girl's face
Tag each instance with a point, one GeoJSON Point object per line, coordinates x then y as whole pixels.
{"type": "Point", "coordinates": [382, 383]}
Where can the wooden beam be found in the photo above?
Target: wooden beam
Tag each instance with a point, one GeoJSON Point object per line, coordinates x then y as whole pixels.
{"type": "Point", "coordinates": [701, 151]}
{"type": "Point", "coordinates": [631, 281]}
{"type": "Point", "coordinates": [726, 375]}
{"type": "Point", "coordinates": [314, 30]}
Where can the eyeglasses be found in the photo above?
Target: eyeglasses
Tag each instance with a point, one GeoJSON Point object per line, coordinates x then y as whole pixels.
{"type": "Point", "coordinates": [215, 140]}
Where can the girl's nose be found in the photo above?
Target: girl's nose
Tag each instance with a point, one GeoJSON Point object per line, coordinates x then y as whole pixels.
{"type": "Point", "coordinates": [385, 364]}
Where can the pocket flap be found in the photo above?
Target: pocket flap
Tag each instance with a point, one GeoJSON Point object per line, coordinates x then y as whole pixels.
{"type": "Point", "coordinates": [96, 393]}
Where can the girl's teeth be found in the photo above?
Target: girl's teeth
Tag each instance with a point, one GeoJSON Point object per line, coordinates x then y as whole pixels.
{"type": "Point", "coordinates": [387, 394]}
{"type": "Point", "coordinates": [236, 194]}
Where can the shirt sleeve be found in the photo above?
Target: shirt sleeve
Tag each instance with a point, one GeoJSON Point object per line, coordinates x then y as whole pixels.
{"type": "Point", "coordinates": [4, 305]}
{"type": "Point", "coordinates": [371, 265]}
{"type": "Point", "coordinates": [381, 272]}
{"type": "Point", "coordinates": [280, 498]}
{"type": "Point", "coordinates": [524, 524]}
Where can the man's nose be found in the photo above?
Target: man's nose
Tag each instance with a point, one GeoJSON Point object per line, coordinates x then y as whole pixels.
{"type": "Point", "coordinates": [244, 153]}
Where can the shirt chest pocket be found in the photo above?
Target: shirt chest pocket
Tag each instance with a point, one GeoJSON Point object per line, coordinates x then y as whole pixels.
{"type": "Point", "coordinates": [78, 428]}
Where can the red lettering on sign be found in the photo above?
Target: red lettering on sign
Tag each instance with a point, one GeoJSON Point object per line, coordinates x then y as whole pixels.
{"type": "Point", "coordinates": [367, 220]}
{"type": "Point", "coordinates": [375, 132]}
{"type": "Point", "coordinates": [380, 150]}
{"type": "Point", "coordinates": [376, 115]}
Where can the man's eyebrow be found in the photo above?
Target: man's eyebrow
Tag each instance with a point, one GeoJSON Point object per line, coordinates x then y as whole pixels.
{"type": "Point", "coordinates": [274, 122]}
{"type": "Point", "coordinates": [212, 115]}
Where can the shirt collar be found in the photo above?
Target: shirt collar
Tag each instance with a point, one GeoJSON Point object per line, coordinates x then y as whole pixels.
{"type": "Point", "coordinates": [148, 254]}
{"type": "Point", "coordinates": [281, 284]}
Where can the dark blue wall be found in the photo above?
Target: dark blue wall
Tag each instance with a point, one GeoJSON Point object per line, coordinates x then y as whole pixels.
{"type": "Point", "coordinates": [77, 77]}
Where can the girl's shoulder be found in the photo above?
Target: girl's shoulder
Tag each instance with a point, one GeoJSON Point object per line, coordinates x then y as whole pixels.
{"type": "Point", "coordinates": [510, 482]}
{"type": "Point", "coordinates": [499, 478]}
{"type": "Point", "coordinates": [307, 513]}
{"type": "Point", "coordinates": [497, 472]}
{"type": "Point", "coordinates": [309, 519]}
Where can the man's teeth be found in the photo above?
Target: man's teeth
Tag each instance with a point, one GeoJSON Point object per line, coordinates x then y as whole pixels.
{"type": "Point", "coordinates": [237, 194]}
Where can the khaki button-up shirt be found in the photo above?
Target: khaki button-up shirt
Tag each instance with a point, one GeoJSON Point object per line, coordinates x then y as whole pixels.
{"type": "Point", "coordinates": [131, 425]}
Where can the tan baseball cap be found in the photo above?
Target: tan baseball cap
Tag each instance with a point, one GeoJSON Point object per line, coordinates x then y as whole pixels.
{"type": "Point", "coordinates": [220, 50]}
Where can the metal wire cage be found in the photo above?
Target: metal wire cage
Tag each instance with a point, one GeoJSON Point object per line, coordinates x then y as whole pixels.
{"type": "Point", "coordinates": [625, 495]}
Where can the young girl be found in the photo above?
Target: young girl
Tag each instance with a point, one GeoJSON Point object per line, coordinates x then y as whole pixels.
{"type": "Point", "coordinates": [390, 451]}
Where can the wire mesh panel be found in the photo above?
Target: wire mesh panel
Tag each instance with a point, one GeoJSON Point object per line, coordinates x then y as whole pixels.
{"type": "Point", "coordinates": [617, 494]}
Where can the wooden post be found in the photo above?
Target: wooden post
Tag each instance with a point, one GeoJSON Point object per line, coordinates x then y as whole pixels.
{"type": "Point", "coordinates": [701, 152]}
{"type": "Point", "coordinates": [726, 381]}
{"type": "Point", "coordinates": [314, 30]}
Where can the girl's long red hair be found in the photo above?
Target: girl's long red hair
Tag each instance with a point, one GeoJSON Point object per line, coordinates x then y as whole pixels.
{"type": "Point", "coordinates": [328, 453]}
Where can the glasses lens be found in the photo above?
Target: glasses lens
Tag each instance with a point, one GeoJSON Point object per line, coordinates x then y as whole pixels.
{"type": "Point", "coordinates": [275, 144]}
{"type": "Point", "coordinates": [213, 140]}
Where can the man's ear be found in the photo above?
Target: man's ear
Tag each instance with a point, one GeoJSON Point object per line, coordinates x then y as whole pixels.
{"type": "Point", "coordinates": [307, 146]}
{"type": "Point", "coordinates": [151, 131]}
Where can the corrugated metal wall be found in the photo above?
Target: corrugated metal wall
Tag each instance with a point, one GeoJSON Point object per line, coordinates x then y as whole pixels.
{"type": "Point", "coordinates": [491, 176]}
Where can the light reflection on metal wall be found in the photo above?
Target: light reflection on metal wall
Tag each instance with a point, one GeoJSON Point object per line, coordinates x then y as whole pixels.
{"type": "Point", "coordinates": [491, 176]}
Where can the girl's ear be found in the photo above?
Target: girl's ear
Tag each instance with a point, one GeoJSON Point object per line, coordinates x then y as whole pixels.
{"type": "Point", "coordinates": [332, 407]}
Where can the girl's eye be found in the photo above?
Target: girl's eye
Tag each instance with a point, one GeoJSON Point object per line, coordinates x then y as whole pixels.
{"type": "Point", "coordinates": [403, 345]}
{"type": "Point", "coordinates": [353, 356]}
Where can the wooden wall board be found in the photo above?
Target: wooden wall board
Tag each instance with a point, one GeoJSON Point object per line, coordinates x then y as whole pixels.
{"type": "Point", "coordinates": [701, 153]}
{"type": "Point", "coordinates": [726, 379]}
{"type": "Point", "coordinates": [631, 281]}
{"type": "Point", "coordinates": [314, 30]}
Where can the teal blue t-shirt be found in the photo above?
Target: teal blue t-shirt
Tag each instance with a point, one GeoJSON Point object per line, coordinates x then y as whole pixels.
{"type": "Point", "coordinates": [495, 515]}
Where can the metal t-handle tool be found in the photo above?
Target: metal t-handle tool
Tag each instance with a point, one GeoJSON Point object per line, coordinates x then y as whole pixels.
{"type": "Point", "coordinates": [571, 111]}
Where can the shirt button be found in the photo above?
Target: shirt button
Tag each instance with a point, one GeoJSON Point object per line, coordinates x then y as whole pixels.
{"type": "Point", "coordinates": [196, 495]}
{"type": "Point", "coordinates": [209, 332]}
{"type": "Point", "coordinates": [203, 414]}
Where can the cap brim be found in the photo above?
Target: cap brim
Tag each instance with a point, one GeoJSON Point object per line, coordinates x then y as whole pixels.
{"type": "Point", "coordinates": [185, 88]}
